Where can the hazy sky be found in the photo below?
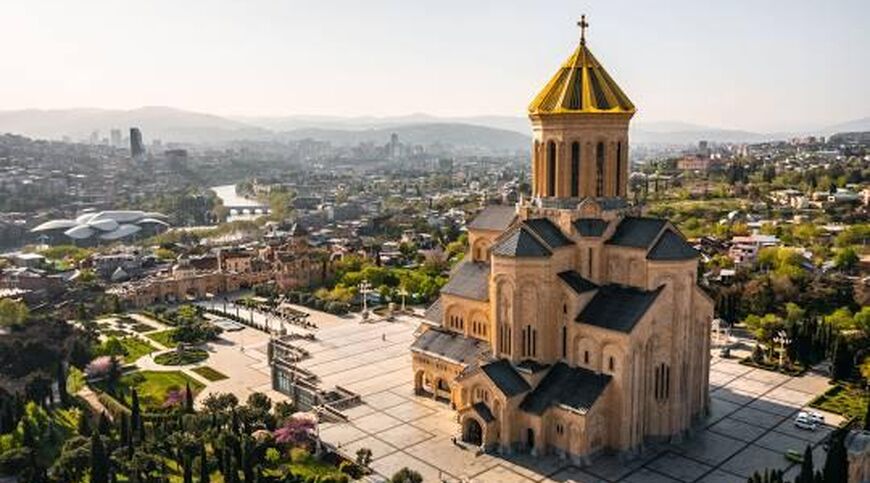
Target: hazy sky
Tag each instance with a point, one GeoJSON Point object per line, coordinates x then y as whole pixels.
{"type": "Point", "coordinates": [754, 64]}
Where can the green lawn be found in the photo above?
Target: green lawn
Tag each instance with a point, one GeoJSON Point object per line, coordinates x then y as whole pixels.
{"type": "Point", "coordinates": [135, 348]}
{"type": "Point", "coordinates": [847, 400]}
{"type": "Point", "coordinates": [152, 387]}
{"type": "Point", "coordinates": [209, 373]}
{"type": "Point", "coordinates": [164, 337]}
{"type": "Point", "coordinates": [181, 358]}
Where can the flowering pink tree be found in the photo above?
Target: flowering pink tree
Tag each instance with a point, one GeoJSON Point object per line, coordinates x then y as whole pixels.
{"type": "Point", "coordinates": [173, 399]}
{"type": "Point", "coordinates": [298, 428]}
{"type": "Point", "coordinates": [99, 367]}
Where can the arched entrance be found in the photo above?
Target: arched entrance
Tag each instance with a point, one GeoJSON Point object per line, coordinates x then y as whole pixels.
{"type": "Point", "coordinates": [472, 433]}
{"type": "Point", "coordinates": [442, 390]}
{"type": "Point", "coordinates": [530, 438]}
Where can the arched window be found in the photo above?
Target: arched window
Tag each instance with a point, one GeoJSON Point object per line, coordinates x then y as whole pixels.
{"type": "Point", "coordinates": [586, 357]}
{"type": "Point", "coordinates": [617, 191]}
{"type": "Point", "coordinates": [551, 168]}
{"type": "Point", "coordinates": [611, 364]}
{"type": "Point", "coordinates": [575, 169]}
{"type": "Point", "coordinates": [599, 169]}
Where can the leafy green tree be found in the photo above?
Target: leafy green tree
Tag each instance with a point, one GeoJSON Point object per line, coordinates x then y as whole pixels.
{"type": "Point", "coordinates": [12, 312]}
{"type": "Point", "coordinates": [406, 475]}
{"type": "Point", "coordinates": [846, 259]}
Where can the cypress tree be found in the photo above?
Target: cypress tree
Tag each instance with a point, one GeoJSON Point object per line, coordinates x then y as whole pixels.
{"type": "Point", "coordinates": [136, 416]}
{"type": "Point", "coordinates": [103, 425]}
{"type": "Point", "coordinates": [188, 399]}
{"type": "Point", "coordinates": [124, 428]}
{"type": "Point", "coordinates": [99, 460]}
{"type": "Point", "coordinates": [806, 474]}
{"type": "Point", "coordinates": [61, 383]}
{"type": "Point", "coordinates": [837, 462]}
{"type": "Point", "coordinates": [204, 476]}
{"type": "Point", "coordinates": [84, 426]}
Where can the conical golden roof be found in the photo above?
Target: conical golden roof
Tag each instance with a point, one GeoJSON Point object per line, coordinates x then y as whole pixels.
{"type": "Point", "coordinates": [581, 86]}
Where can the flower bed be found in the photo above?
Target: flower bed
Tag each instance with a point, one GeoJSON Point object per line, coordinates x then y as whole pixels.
{"type": "Point", "coordinates": [181, 357]}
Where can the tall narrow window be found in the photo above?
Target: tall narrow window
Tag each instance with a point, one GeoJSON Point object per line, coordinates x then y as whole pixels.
{"type": "Point", "coordinates": [551, 168]}
{"type": "Point", "coordinates": [589, 263]}
{"type": "Point", "coordinates": [618, 191]}
{"type": "Point", "coordinates": [599, 169]}
{"type": "Point", "coordinates": [564, 342]}
{"type": "Point", "coordinates": [534, 343]}
{"type": "Point", "coordinates": [575, 169]}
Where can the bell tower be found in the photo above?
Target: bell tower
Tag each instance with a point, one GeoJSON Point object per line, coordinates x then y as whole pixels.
{"type": "Point", "coordinates": [580, 130]}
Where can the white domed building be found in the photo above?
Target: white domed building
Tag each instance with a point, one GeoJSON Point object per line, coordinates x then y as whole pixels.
{"type": "Point", "coordinates": [103, 227]}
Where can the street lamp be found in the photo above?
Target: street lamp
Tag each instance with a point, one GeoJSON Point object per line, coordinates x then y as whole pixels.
{"type": "Point", "coordinates": [403, 293]}
{"type": "Point", "coordinates": [364, 289]}
{"type": "Point", "coordinates": [782, 339]}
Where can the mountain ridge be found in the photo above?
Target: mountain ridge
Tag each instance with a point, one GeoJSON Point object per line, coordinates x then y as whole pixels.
{"type": "Point", "coordinates": [499, 132]}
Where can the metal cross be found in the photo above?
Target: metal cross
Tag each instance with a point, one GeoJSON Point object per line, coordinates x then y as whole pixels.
{"type": "Point", "coordinates": [583, 24]}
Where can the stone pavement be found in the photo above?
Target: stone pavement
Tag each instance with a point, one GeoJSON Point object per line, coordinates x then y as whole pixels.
{"type": "Point", "coordinates": [749, 427]}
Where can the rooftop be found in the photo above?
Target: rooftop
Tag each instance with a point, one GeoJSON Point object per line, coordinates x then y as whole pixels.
{"type": "Point", "coordinates": [617, 307]}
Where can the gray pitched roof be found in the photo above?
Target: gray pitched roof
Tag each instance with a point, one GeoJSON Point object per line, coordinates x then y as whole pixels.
{"type": "Point", "coordinates": [617, 307]}
{"type": "Point", "coordinates": [577, 283]}
{"type": "Point", "coordinates": [521, 243]}
{"type": "Point", "coordinates": [611, 202]}
{"type": "Point", "coordinates": [548, 232]}
{"type": "Point", "coordinates": [469, 280]}
{"type": "Point", "coordinates": [494, 217]}
{"type": "Point", "coordinates": [435, 312]}
{"type": "Point", "coordinates": [449, 345]}
{"type": "Point", "coordinates": [575, 387]}
{"type": "Point", "coordinates": [483, 411]}
{"type": "Point", "coordinates": [590, 226]}
{"type": "Point", "coordinates": [671, 246]}
{"type": "Point", "coordinates": [636, 232]}
{"type": "Point", "coordinates": [503, 375]}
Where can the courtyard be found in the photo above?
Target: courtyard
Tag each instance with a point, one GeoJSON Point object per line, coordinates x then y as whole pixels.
{"type": "Point", "coordinates": [750, 426]}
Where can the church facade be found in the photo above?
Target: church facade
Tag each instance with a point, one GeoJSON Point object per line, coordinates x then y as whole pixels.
{"type": "Point", "coordinates": [574, 324]}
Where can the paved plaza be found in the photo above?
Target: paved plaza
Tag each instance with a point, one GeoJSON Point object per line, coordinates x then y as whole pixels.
{"type": "Point", "coordinates": [749, 428]}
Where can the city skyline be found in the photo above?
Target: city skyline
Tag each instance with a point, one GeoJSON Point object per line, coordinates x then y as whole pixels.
{"type": "Point", "coordinates": [775, 69]}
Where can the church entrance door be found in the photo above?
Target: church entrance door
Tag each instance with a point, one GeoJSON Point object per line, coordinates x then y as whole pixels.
{"type": "Point", "coordinates": [472, 433]}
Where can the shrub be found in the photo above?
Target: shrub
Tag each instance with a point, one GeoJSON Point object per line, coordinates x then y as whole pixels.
{"type": "Point", "coordinates": [299, 455]}
{"type": "Point", "coordinates": [351, 469]}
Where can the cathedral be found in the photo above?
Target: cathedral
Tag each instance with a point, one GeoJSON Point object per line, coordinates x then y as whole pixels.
{"type": "Point", "coordinates": [574, 324]}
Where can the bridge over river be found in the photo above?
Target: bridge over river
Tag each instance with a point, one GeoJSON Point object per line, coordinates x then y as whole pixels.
{"type": "Point", "coordinates": [240, 208]}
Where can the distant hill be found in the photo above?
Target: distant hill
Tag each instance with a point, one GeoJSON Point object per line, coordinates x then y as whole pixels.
{"type": "Point", "coordinates": [672, 132]}
{"type": "Point", "coordinates": [857, 125]}
{"type": "Point", "coordinates": [456, 134]}
{"type": "Point", "coordinates": [490, 132]}
{"type": "Point", "coordinates": [165, 123]}
{"type": "Point", "coordinates": [287, 123]}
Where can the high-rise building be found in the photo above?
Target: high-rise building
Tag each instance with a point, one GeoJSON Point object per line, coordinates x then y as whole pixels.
{"type": "Point", "coordinates": [137, 147]}
{"type": "Point", "coordinates": [115, 137]}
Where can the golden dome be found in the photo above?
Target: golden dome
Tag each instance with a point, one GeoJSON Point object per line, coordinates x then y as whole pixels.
{"type": "Point", "coordinates": [581, 86]}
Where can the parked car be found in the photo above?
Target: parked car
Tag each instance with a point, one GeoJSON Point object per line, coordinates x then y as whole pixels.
{"type": "Point", "coordinates": [813, 416]}
{"type": "Point", "coordinates": [804, 421]}
{"type": "Point", "coordinates": [794, 456]}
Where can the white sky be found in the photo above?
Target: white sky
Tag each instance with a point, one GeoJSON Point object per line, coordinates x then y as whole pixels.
{"type": "Point", "coordinates": [752, 64]}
